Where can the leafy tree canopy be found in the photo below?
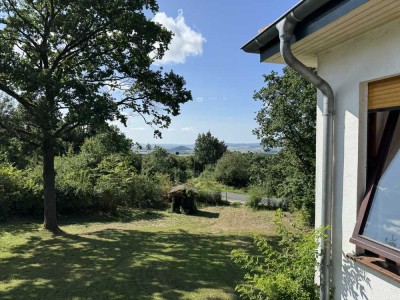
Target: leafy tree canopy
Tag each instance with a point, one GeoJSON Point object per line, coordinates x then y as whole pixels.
{"type": "Point", "coordinates": [287, 120]}
{"type": "Point", "coordinates": [159, 161]}
{"type": "Point", "coordinates": [288, 116]}
{"type": "Point", "coordinates": [208, 149]}
{"type": "Point", "coordinates": [73, 63]}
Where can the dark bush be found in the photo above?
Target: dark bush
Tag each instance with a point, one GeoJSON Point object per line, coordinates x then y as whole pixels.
{"type": "Point", "coordinates": [188, 203]}
{"type": "Point", "coordinates": [184, 200]}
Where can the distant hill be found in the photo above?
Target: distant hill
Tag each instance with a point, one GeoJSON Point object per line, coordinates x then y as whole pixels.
{"type": "Point", "coordinates": [188, 148]}
{"type": "Point", "coordinates": [180, 149]}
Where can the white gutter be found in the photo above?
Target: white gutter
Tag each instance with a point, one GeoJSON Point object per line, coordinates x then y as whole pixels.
{"type": "Point", "coordinates": [286, 27]}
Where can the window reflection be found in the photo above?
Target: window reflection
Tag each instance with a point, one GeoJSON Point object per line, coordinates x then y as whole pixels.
{"type": "Point", "coordinates": [383, 222]}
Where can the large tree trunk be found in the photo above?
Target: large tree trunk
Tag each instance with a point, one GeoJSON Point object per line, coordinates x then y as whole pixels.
{"type": "Point", "coordinates": [49, 179]}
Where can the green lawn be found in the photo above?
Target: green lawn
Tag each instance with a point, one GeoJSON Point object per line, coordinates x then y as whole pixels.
{"type": "Point", "coordinates": [156, 255]}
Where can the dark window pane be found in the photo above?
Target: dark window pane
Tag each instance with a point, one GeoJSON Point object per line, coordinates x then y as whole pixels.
{"type": "Point", "coordinates": [383, 222]}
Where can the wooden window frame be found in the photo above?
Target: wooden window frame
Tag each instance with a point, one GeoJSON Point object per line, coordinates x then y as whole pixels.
{"type": "Point", "coordinates": [375, 175]}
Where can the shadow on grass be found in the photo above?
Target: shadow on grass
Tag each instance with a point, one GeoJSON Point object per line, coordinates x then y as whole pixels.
{"type": "Point", "coordinates": [121, 264]}
{"type": "Point", "coordinates": [123, 216]}
{"type": "Point", "coordinates": [22, 225]}
{"type": "Point", "coordinates": [207, 214]}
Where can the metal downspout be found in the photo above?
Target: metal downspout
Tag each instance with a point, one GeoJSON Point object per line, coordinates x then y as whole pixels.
{"type": "Point", "coordinates": [286, 28]}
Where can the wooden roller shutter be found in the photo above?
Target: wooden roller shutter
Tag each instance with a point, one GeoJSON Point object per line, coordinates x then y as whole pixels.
{"type": "Point", "coordinates": [384, 94]}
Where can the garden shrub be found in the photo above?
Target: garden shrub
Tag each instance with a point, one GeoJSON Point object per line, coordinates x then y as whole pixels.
{"type": "Point", "coordinates": [92, 180]}
{"type": "Point", "coordinates": [110, 184]}
{"type": "Point", "coordinates": [74, 183]}
{"type": "Point", "coordinates": [283, 272]}
{"type": "Point", "coordinates": [256, 193]}
{"type": "Point", "coordinates": [233, 169]}
{"type": "Point", "coordinates": [19, 194]}
{"type": "Point", "coordinates": [209, 197]}
{"type": "Point", "coordinates": [9, 189]}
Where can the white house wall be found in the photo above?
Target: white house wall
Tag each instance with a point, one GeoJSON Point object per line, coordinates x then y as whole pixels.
{"type": "Point", "coordinates": [348, 67]}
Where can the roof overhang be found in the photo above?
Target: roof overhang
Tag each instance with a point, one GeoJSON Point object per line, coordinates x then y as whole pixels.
{"type": "Point", "coordinates": [323, 27]}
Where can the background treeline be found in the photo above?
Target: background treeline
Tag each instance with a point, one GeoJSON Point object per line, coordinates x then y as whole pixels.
{"type": "Point", "coordinates": [97, 170]}
{"type": "Point", "coordinates": [101, 172]}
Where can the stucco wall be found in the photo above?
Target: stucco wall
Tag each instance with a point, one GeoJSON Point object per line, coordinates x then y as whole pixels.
{"type": "Point", "coordinates": [348, 67]}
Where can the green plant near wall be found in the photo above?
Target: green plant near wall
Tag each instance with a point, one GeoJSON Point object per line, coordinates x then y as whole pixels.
{"type": "Point", "coordinates": [283, 272]}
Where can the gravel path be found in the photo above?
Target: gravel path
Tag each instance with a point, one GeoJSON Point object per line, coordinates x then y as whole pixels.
{"type": "Point", "coordinates": [234, 196]}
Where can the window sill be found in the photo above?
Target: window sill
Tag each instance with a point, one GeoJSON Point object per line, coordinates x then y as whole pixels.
{"type": "Point", "coordinates": [378, 264]}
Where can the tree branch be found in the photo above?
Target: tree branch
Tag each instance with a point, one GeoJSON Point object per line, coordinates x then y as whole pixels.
{"type": "Point", "coordinates": [21, 17]}
{"type": "Point", "coordinates": [66, 127]}
{"type": "Point", "coordinates": [126, 100]}
{"type": "Point", "coordinates": [68, 50]}
{"type": "Point", "coordinates": [20, 133]}
{"type": "Point", "coordinates": [28, 105]}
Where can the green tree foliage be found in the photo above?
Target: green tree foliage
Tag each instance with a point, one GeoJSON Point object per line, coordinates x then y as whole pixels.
{"type": "Point", "coordinates": [160, 161]}
{"type": "Point", "coordinates": [105, 175]}
{"type": "Point", "coordinates": [233, 169]}
{"type": "Point", "coordinates": [255, 195]}
{"type": "Point", "coordinates": [287, 120]}
{"type": "Point", "coordinates": [285, 271]}
{"type": "Point", "coordinates": [259, 165]}
{"type": "Point", "coordinates": [75, 63]}
{"type": "Point", "coordinates": [108, 141]}
{"type": "Point", "coordinates": [101, 178]}
{"type": "Point", "coordinates": [19, 193]}
{"type": "Point", "coordinates": [207, 150]}
{"type": "Point", "coordinates": [112, 183]}
{"type": "Point", "coordinates": [117, 184]}
{"type": "Point", "coordinates": [12, 149]}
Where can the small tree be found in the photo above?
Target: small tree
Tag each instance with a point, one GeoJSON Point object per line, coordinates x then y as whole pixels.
{"type": "Point", "coordinates": [207, 150]}
{"type": "Point", "coordinates": [73, 63]}
{"type": "Point", "coordinates": [159, 161]}
{"type": "Point", "coordinates": [287, 120]}
{"type": "Point", "coordinates": [233, 169]}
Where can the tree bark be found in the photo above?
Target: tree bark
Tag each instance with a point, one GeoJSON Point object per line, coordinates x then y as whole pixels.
{"type": "Point", "coordinates": [49, 179]}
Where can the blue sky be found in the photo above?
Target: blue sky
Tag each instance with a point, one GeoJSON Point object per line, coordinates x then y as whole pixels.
{"type": "Point", "coordinates": [206, 52]}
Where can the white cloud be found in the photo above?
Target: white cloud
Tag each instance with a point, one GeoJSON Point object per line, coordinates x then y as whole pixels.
{"type": "Point", "coordinates": [187, 129]}
{"type": "Point", "coordinates": [185, 41]}
{"type": "Point", "coordinates": [199, 99]}
{"type": "Point", "coordinates": [171, 129]}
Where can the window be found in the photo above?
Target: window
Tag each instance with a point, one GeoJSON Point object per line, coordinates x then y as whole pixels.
{"type": "Point", "coordinates": [378, 225]}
